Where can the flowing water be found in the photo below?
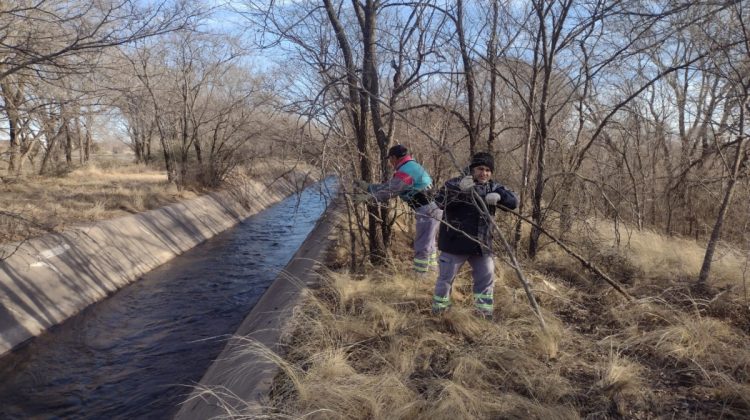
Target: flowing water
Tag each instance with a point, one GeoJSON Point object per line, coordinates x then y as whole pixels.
{"type": "Point", "coordinates": [136, 353]}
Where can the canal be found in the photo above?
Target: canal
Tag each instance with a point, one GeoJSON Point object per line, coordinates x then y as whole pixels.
{"type": "Point", "coordinates": [136, 353]}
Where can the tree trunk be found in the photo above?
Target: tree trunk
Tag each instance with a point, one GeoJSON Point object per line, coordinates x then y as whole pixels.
{"type": "Point", "coordinates": [169, 161]}
{"type": "Point", "coordinates": [87, 140]}
{"type": "Point", "coordinates": [530, 129]}
{"type": "Point", "coordinates": [468, 77]}
{"type": "Point", "coordinates": [541, 150]}
{"type": "Point", "coordinates": [357, 107]}
{"type": "Point", "coordinates": [48, 154]}
{"type": "Point", "coordinates": [371, 84]}
{"type": "Point", "coordinates": [11, 100]}
{"type": "Point", "coordinates": [13, 148]}
{"type": "Point", "coordinates": [492, 58]}
{"type": "Point", "coordinates": [536, 199]}
{"type": "Point", "coordinates": [68, 143]}
{"type": "Point", "coordinates": [79, 138]}
{"type": "Point", "coordinates": [716, 232]}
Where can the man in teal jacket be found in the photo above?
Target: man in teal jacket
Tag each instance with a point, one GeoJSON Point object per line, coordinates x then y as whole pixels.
{"type": "Point", "coordinates": [412, 183]}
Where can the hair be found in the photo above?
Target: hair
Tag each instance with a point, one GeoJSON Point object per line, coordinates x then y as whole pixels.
{"type": "Point", "coordinates": [398, 151]}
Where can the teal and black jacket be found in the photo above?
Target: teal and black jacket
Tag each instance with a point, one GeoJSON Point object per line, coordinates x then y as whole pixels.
{"type": "Point", "coordinates": [411, 182]}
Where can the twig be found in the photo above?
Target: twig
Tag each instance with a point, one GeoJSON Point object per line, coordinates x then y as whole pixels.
{"type": "Point", "coordinates": [587, 264]}
{"type": "Point", "coordinates": [479, 202]}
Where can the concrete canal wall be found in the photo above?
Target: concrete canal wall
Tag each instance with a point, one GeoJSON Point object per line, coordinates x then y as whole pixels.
{"type": "Point", "coordinates": [238, 383]}
{"type": "Point", "coordinates": [45, 280]}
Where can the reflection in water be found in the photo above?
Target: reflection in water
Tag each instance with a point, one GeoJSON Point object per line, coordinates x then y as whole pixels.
{"type": "Point", "coordinates": [135, 354]}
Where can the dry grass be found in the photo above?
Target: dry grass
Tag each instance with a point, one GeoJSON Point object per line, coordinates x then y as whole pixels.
{"type": "Point", "coordinates": [368, 346]}
{"type": "Point", "coordinates": [664, 258]}
{"type": "Point", "coordinates": [86, 194]}
{"type": "Point", "coordinates": [33, 205]}
{"type": "Point", "coordinates": [370, 349]}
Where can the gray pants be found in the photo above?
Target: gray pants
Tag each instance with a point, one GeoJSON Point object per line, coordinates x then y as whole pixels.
{"type": "Point", "coordinates": [425, 250]}
{"type": "Point", "coordinates": [482, 274]}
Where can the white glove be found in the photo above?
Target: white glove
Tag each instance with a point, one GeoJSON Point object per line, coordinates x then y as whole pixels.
{"type": "Point", "coordinates": [466, 183]}
{"type": "Point", "coordinates": [492, 198]}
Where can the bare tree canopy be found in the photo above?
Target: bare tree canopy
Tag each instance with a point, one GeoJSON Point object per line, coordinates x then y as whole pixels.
{"type": "Point", "coordinates": [625, 111]}
{"type": "Point", "coordinates": [50, 37]}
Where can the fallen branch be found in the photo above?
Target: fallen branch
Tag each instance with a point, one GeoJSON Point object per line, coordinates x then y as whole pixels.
{"type": "Point", "coordinates": [587, 264]}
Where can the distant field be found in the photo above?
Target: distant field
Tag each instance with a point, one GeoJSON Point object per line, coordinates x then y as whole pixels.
{"type": "Point", "coordinates": [110, 188]}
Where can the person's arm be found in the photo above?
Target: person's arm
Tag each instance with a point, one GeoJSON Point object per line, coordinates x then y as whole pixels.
{"type": "Point", "coordinates": [396, 185]}
{"type": "Point", "coordinates": [507, 198]}
{"type": "Point", "coordinates": [452, 192]}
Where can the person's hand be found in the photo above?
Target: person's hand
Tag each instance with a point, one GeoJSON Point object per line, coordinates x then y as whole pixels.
{"type": "Point", "coordinates": [362, 185]}
{"type": "Point", "coordinates": [466, 183]}
{"type": "Point", "coordinates": [360, 198]}
{"type": "Point", "coordinates": [492, 198]}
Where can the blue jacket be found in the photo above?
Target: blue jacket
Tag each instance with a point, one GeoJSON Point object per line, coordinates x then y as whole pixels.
{"type": "Point", "coordinates": [462, 216]}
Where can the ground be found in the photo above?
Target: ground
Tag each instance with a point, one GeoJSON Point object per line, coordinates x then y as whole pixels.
{"type": "Point", "coordinates": [33, 205]}
{"type": "Point", "coordinates": [366, 345]}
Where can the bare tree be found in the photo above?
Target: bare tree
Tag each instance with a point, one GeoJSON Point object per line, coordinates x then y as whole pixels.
{"type": "Point", "coordinates": [41, 37]}
{"type": "Point", "coordinates": [734, 65]}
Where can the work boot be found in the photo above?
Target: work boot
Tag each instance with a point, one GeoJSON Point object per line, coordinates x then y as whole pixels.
{"type": "Point", "coordinates": [440, 304]}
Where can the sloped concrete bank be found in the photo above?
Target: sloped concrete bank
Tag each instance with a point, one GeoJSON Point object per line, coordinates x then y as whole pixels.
{"type": "Point", "coordinates": [239, 382]}
{"type": "Point", "coordinates": [48, 279]}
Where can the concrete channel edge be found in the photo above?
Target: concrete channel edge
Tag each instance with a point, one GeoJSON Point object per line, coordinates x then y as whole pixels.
{"type": "Point", "coordinates": [46, 280]}
{"type": "Point", "coordinates": [239, 382]}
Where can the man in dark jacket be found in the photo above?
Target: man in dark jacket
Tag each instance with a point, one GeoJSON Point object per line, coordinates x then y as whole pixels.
{"type": "Point", "coordinates": [412, 183]}
{"type": "Point", "coordinates": [466, 232]}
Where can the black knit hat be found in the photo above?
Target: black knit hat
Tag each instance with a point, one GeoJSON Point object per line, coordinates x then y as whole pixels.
{"type": "Point", "coordinates": [483, 159]}
{"type": "Point", "coordinates": [398, 151]}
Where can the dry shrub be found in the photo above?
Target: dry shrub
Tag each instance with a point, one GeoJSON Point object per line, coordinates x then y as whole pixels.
{"type": "Point", "coordinates": [95, 212]}
{"type": "Point", "coordinates": [699, 344]}
{"type": "Point", "coordinates": [621, 384]}
{"type": "Point", "coordinates": [546, 342]}
{"type": "Point", "coordinates": [454, 401]}
{"type": "Point", "coordinates": [619, 266]}
{"type": "Point", "coordinates": [734, 396]}
{"type": "Point", "coordinates": [332, 388]}
{"type": "Point", "coordinates": [461, 321]}
{"type": "Point", "coordinates": [643, 314]}
{"type": "Point", "coordinates": [556, 263]}
{"type": "Point", "coordinates": [731, 307]}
